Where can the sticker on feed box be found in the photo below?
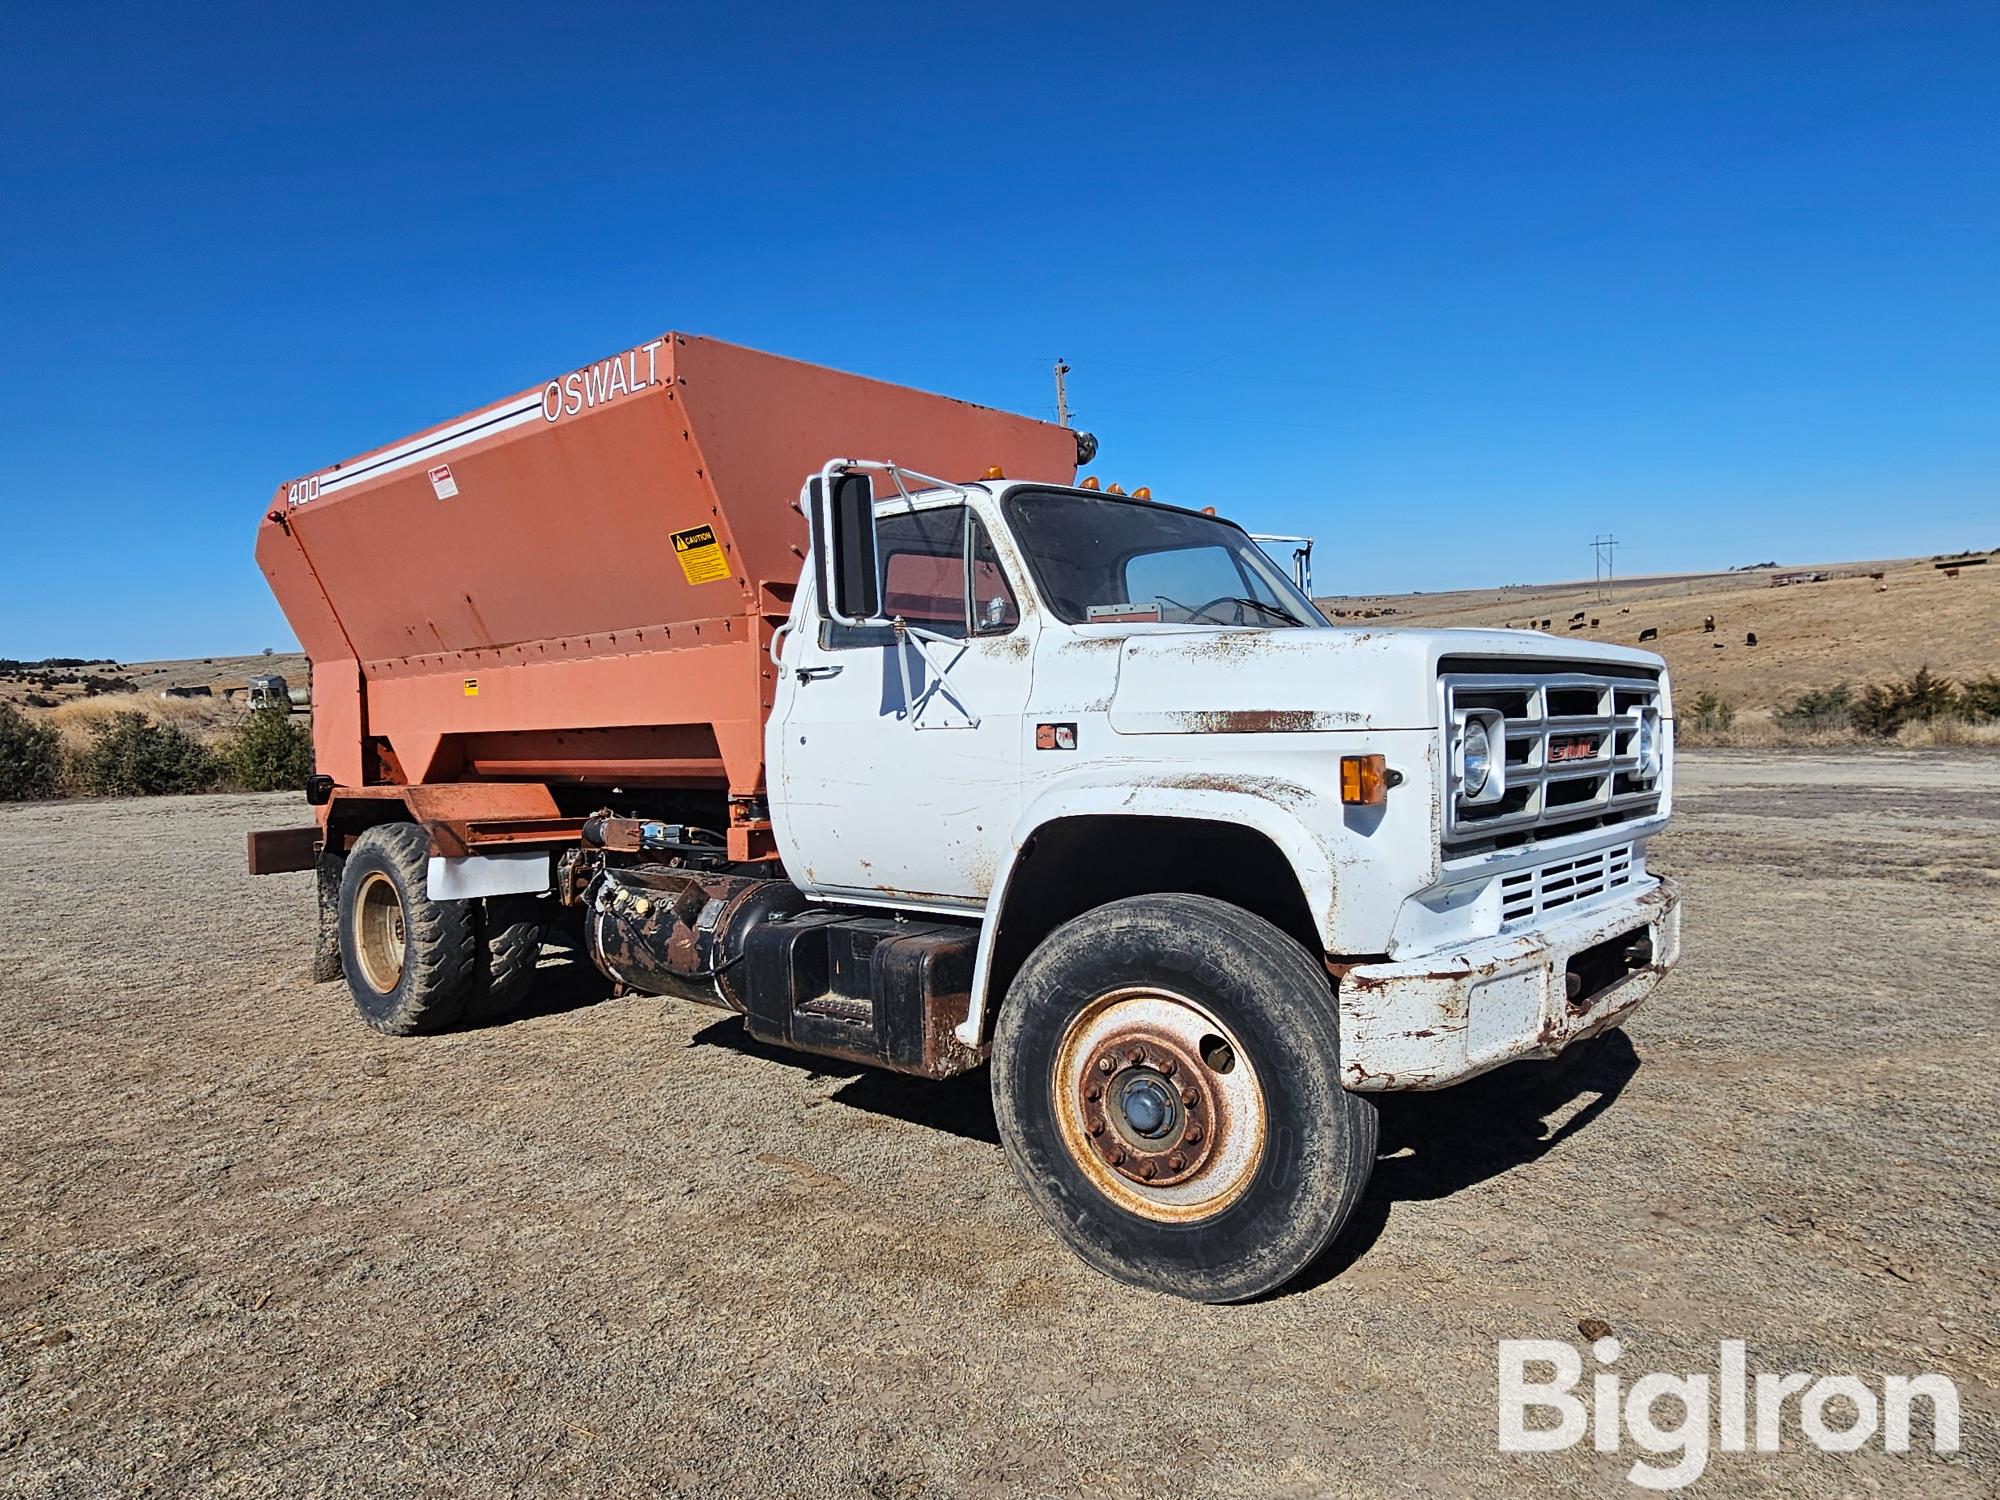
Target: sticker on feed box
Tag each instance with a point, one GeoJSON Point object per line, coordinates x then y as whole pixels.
{"type": "Point", "coordinates": [442, 482]}
{"type": "Point", "coordinates": [700, 555]}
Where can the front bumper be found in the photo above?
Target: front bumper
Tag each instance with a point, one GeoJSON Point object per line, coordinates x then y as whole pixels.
{"type": "Point", "coordinates": [1436, 1020]}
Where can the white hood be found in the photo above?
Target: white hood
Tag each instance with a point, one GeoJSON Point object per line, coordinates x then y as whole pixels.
{"type": "Point", "coordinates": [1229, 680]}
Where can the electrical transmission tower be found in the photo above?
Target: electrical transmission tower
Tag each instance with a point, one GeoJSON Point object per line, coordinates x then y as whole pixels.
{"type": "Point", "coordinates": [1605, 550]}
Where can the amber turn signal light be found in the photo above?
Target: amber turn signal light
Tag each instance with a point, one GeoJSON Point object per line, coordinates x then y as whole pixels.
{"type": "Point", "coordinates": [1364, 780]}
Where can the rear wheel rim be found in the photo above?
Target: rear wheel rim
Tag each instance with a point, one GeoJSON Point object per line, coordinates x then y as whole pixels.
{"type": "Point", "coordinates": [381, 933]}
{"type": "Point", "coordinates": [1159, 1105]}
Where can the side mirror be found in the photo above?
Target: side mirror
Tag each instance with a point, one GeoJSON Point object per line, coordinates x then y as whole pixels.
{"type": "Point", "coordinates": [850, 578]}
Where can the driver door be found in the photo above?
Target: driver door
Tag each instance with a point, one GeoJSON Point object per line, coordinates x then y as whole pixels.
{"type": "Point", "coordinates": [899, 760]}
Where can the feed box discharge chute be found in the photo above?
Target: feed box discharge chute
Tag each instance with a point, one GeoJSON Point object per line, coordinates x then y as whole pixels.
{"type": "Point", "coordinates": [578, 585]}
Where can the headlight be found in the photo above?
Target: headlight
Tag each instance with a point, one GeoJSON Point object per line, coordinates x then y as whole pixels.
{"type": "Point", "coordinates": [1475, 757]}
{"type": "Point", "coordinates": [1648, 747]}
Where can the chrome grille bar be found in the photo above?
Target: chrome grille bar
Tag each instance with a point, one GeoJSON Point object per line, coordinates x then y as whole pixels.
{"type": "Point", "coordinates": [1571, 752]}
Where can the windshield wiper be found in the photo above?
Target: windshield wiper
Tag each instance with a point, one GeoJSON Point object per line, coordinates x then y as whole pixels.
{"type": "Point", "coordinates": [1194, 614]}
{"type": "Point", "coordinates": [1270, 609]}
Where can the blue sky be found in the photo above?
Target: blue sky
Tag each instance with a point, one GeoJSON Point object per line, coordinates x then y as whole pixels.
{"type": "Point", "coordinates": [1452, 287]}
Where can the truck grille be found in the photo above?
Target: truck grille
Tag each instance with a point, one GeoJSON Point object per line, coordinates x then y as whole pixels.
{"type": "Point", "coordinates": [1571, 760]}
{"type": "Point", "coordinates": [1539, 889]}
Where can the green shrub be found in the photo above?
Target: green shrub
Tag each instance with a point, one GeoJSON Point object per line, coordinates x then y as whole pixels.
{"type": "Point", "coordinates": [268, 752]}
{"type": "Point", "coordinates": [130, 755]}
{"type": "Point", "coordinates": [1710, 712]}
{"type": "Point", "coordinates": [30, 757]}
{"type": "Point", "coordinates": [1980, 698]}
{"type": "Point", "coordinates": [1882, 710]}
{"type": "Point", "coordinates": [1821, 708]}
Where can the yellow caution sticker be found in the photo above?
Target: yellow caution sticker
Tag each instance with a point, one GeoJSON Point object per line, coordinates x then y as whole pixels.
{"type": "Point", "coordinates": [472, 687]}
{"type": "Point", "coordinates": [700, 555]}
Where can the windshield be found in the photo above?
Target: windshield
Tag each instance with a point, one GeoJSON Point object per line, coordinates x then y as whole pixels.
{"type": "Point", "coordinates": [1103, 562]}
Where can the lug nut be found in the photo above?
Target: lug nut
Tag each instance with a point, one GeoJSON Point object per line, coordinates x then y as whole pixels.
{"type": "Point", "coordinates": [1190, 1098]}
{"type": "Point", "coordinates": [1117, 1154]}
{"type": "Point", "coordinates": [1148, 1171]}
{"type": "Point", "coordinates": [1096, 1127]}
{"type": "Point", "coordinates": [1094, 1092]}
{"type": "Point", "coordinates": [1192, 1135]}
{"type": "Point", "coordinates": [1106, 1063]}
{"type": "Point", "coordinates": [1135, 1054]}
{"type": "Point", "coordinates": [1167, 1066]}
{"type": "Point", "coordinates": [1176, 1162]}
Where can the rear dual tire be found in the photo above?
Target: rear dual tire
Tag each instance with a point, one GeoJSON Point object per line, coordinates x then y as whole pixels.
{"type": "Point", "coordinates": [1166, 1078]}
{"type": "Point", "coordinates": [415, 966]}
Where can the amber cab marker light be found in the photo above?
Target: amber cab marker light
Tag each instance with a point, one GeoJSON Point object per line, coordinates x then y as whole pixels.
{"type": "Point", "coordinates": [994, 472]}
{"type": "Point", "coordinates": [1114, 489]}
{"type": "Point", "coordinates": [1089, 482]}
{"type": "Point", "coordinates": [1364, 780]}
{"type": "Point", "coordinates": [1144, 492]}
{"type": "Point", "coordinates": [1208, 510]}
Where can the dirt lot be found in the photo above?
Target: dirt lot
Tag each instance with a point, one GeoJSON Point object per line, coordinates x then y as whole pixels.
{"type": "Point", "coordinates": [248, 1247]}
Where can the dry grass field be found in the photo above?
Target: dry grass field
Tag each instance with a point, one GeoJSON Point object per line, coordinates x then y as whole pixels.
{"type": "Point", "coordinates": [150, 678]}
{"type": "Point", "coordinates": [1850, 628]}
{"type": "Point", "coordinates": [207, 719]}
{"type": "Point", "coordinates": [77, 713]}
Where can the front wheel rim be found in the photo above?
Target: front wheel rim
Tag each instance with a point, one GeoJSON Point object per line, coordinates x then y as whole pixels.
{"type": "Point", "coordinates": [1159, 1104]}
{"type": "Point", "coordinates": [381, 934]}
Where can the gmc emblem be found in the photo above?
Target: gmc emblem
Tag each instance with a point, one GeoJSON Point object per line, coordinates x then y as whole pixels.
{"type": "Point", "coordinates": [1575, 747]}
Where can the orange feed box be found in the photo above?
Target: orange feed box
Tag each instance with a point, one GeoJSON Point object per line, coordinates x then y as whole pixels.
{"type": "Point", "coordinates": [579, 584]}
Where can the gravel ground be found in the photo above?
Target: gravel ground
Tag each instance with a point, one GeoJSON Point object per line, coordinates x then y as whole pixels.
{"type": "Point", "coordinates": [249, 1247]}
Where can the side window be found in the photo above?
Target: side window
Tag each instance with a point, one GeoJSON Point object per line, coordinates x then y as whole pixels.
{"type": "Point", "coordinates": [924, 579]}
{"type": "Point", "coordinates": [923, 568]}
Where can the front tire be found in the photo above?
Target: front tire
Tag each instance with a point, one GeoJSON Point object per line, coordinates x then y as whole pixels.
{"type": "Point", "coordinates": [410, 961]}
{"type": "Point", "coordinates": [1166, 1078]}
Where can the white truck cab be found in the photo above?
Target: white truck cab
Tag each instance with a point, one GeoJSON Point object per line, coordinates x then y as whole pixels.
{"type": "Point", "coordinates": [1037, 659]}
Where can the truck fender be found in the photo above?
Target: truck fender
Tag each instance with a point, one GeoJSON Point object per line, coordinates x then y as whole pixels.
{"type": "Point", "coordinates": [1264, 804]}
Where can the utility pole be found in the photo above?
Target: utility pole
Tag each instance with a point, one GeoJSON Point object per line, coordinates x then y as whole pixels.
{"type": "Point", "coordinates": [1062, 394]}
{"type": "Point", "coordinates": [1605, 550]}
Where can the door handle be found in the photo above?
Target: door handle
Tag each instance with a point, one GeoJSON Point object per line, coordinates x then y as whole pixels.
{"type": "Point", "coordinates": [807, 674]}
